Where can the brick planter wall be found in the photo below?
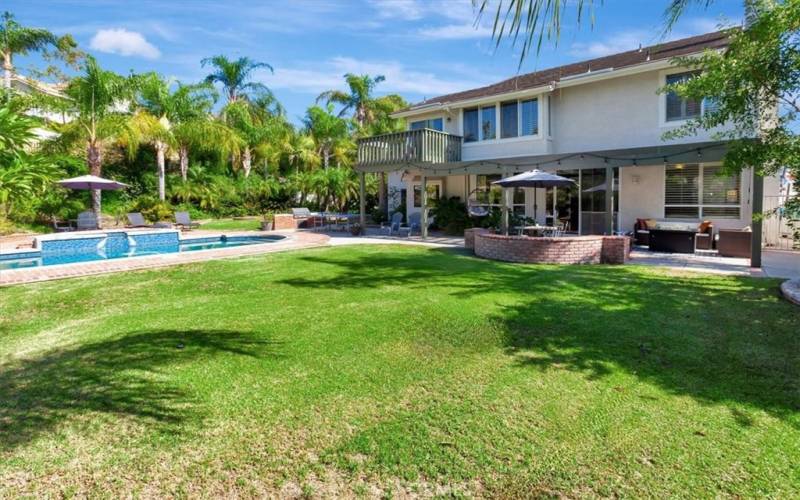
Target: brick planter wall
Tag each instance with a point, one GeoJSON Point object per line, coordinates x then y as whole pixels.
{"type": "Point", "coordinates": [469, 236]}
{"type": "Point", "coordinates": [285, 221]}
{"type": "Point", "coordinates": [562, 250]}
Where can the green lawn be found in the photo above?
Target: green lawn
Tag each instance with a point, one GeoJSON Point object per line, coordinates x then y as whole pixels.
{"type": "Point", "coordinates": [232, 224]}
{"type": "Point", "coordinates": [399, 370]}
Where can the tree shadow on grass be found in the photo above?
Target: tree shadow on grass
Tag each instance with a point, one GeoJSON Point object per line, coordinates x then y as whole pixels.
{"type": "Point", "coordinates": [720, 340]}
{"type": "Point", "coordinates": [121, 376]}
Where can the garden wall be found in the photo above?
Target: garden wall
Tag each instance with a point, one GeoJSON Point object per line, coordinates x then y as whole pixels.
{"type": "Point", "coordinates": [561, 250]}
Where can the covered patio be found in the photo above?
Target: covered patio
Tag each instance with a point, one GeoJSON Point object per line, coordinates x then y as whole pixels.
{"type": "Point", "coordinates": [612, 167]}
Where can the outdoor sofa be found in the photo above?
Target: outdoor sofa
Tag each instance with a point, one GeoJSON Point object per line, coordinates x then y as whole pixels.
{"type": "Point", "coordinates": [671, 236]}
{"type": "Point", "coordinates": [735, 242]}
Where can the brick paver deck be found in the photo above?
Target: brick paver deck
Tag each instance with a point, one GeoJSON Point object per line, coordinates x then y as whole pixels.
{"type": "Point", "coordinates": [293, 241]}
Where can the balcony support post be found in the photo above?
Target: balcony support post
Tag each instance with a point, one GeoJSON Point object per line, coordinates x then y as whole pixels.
{"type": "Point", "coordinates": [362, 192]}
{"type": "Point", "coordinates": [423, 231]}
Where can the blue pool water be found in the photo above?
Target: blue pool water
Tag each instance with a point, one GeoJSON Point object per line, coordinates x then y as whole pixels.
{"type": "Point", "coordinates": [67, 254]}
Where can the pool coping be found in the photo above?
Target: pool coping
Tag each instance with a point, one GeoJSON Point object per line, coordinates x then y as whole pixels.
{"type": "Point", "coordinates": [293, 240]}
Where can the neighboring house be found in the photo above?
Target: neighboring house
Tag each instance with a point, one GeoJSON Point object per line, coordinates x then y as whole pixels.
{"type": "Point", "coordinates": [599, 122]}
{"type": "Point", "coordinates": [26, 85]}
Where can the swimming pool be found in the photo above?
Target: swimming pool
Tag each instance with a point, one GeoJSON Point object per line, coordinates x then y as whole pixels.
{"type": "Point", "coordinates": [89, 247]}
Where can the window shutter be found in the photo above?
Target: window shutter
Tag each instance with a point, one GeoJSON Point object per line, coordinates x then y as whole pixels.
{"type": "Point", "coordinates": [682, 183]}
{"type": "Point", "coordinates": [719, 189]}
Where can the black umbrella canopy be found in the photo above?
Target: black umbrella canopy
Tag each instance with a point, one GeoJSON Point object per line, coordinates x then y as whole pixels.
{"type": "Point", "coordinates": [534, 179]}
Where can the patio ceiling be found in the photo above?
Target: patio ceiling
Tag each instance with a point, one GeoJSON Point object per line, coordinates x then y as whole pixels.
{"type": "Point", "coordinates": [711, 151]}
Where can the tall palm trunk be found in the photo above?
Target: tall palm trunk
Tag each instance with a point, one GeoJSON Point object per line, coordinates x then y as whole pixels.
{"type": "Point", "coordinates": [7, 69]}
{"type": "Point", "coordinates": [247, 161]}
{"type": "Point", "coordinates": [183, 155]}
{"type": "Point", "coordinates": [161, 150]}
{"type": "Point", "coordinates": [94, 158]}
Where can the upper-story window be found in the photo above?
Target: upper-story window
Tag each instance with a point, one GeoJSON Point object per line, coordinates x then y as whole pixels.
{"type": "Point", "coordinates": [488, 123]}
{"type": "Point", "coordinates": [530, 117]}
{"type": "Point", "coordinates": [517, 119]}
{"type": "Point", "coordinates": [433, 123]}
{"type": "Point", "coordinates": [677, 107]}
{"type": "Point", "coordinates": [509, 119]}
{"type": "Point", "coordinates": [471, 125]}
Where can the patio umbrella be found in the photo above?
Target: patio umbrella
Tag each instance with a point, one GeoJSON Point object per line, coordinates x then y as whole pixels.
{"type": "Point", "coordinates": [534, 179]}
{"type": "Point", "coordinates": [92, 182]}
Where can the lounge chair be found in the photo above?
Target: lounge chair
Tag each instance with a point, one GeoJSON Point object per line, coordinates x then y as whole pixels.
{"type": "Point", "coordinates": [135, 219]}
{"type": "Point", "coordinates": [184, 221]}
{"type": "Point", "coordinates": [87, 221]}
{"type": "Point", "coordinates": [395, 223]}
{"type": "Point", "coordinates": [61, 226]}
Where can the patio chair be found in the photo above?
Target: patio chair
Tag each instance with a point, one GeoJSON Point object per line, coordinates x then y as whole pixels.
{"type": "Point", "coordinates": [87, 221]}
{"type": "Point", "coordinates": [61, 226]}
{"type": "Point", "coordinates": [136, 219]}
{"type": "Point", "coordinates": [395, 223]}
{"type": "Point", "coordinates": [415, 222]}
{"type": "Point", "coordinates": [184, 221]}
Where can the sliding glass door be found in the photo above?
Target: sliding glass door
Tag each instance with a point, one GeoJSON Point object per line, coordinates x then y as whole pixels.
{"type": "Point", "coordinates": [582, 208]}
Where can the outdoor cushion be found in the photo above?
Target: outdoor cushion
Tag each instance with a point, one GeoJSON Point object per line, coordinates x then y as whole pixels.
{"type": "Point", "coordinates": [704, 226]}
{"type": "Point", "coordinates": [651, 223]}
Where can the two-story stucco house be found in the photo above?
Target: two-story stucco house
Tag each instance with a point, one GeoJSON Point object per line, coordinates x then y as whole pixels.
{"type": "Point", "coordinates": [600, 122]}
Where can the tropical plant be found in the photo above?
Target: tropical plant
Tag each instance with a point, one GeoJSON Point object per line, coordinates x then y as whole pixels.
{"type": "Point", "coordinates": [234, 76]}
{"type": "Point", "coordinates": [328, 131]}
{"type": "Point", "coordinates": [16, 39]}
{"type": "Point", "coordinates": [97, 101]}
{"type": "Point", "coordinates": [371, 115]}
{"type": "Point", "coordinates": [23, 175]}
{"type": "Point", "coordinates": [173, 118]}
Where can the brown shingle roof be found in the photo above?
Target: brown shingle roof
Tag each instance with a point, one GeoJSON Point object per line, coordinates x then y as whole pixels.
{"type": "Point", "coordinates": [666, 50]}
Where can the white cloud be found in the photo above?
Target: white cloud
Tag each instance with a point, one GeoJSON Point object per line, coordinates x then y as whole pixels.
{"type": "Point", "coordinates": [456, 32]}
{"type": "Point", "coordinates": [317, 78]}
{"type": "Point", "coordinates": [123, 42]}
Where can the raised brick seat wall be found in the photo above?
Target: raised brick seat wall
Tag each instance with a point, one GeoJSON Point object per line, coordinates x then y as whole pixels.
{"type": "Point", "coordinates": [562, 250]}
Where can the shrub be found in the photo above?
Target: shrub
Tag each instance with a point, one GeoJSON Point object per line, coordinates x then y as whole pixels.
{"type": "Point", "coordinates": [451, 215]}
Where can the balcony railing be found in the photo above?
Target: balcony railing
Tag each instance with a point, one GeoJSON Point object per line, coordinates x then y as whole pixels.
{"type": "Point", "coordinates": [410, 147]}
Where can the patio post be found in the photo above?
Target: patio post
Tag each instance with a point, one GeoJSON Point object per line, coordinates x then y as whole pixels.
{"type": "Point", "coordinates": [609, 222]}
{"type": "Point", "coordinates": [757, 202]}
{"type": "Point", "coordinates": [504, 221]}
{"type": "Point", "coordinates": [362, 214]}
{"type": "Point", "coordinates": [423, 231]}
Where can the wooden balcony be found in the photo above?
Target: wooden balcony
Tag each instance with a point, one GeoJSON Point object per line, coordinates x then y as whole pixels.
{"type": "Point", "coordinates": [402, 149]}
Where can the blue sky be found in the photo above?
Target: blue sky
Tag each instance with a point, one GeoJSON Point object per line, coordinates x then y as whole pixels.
{"type": "Point", "coordinates": [423, 47]}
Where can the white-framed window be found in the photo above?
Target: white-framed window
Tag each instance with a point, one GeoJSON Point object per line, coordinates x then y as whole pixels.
{"type": "Point", "coordinates": [504, 120]}
{"type": "Point", "coordinates": [491, 196]}
{"type": "Point", "coordinates": [677, 108]}
{"type": "Point", "coordinates": [697, 191]}
{"type": "Point", "coordinates": [432, 123]}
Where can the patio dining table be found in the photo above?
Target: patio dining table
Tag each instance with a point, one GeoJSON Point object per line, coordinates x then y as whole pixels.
{"type": "Point", "coordinates": [333, 219]}
{"type": "Point", "coordinates": [535, 229]}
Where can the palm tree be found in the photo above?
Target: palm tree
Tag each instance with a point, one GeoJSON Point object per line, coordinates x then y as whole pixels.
{"type": "Point", "coordinates": [234, 76]}
{"type": "Point", "coordinates": [359, 100]}
{"type": "Point", "coordinates": [175, 120]}
{"type": "Point", "coordinates": [367, 110]}
{"type": "Point", "coordinates": [18, 39]}
{"type": "Point", "coordinates": [97, 102]}
{"type": "Point", "coordinates": [327, 130]}
{"type": "Point", "coordinates": [540, 19]}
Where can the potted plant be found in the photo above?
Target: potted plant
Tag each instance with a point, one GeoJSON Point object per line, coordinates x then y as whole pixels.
{"type": "Point", "coordinates": [267, 221]}
{"type": "Point", "coordinates": [356, 229]}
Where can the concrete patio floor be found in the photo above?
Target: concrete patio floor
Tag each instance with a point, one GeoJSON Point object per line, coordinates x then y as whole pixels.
{"type": "Point", "coordinates": [774, 263]}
